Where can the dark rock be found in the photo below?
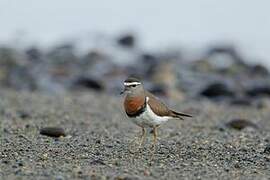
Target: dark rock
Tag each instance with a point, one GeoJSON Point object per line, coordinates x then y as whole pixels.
{"type": "Point", "coordinates": [217, 89]}
{"type": "Point", "coordinates": [241, 101]}
{"type": "Point", "coordinates": [89, 83]}
{"type": "Point", "coordinates": [240, 124]}
{"type": "Point", "coordinates": [226, 49]}
{"type": "Point", "coordinates": [98, 141]}
{"type": "Point", "coordinates": [259, 70]}
{"type": "Point", "coordinates": [267, 149]}
{"type": "Point", "coordinates": [237, 165]}
{"type": "Point", "coordinates": [24, 114]}
{"type": "Point", "coordinates": [52, 131]}
{"type": "Point", "coordinates": [5, 161]}
{"type": "Point", "coordinates": [27, 126]}
{"type": "Point", "coordinates": [20, 163]}
{"type": "Point", "coordinates": [263, 90]}
{"type": "Point", "coordinates": [33, 53]}
{"type": "Point", "coordinates": [148, 58]}
{"type": "Point", "coordinates": [127, 40]}
{"type": "Point", "coordinates": [97, 161]}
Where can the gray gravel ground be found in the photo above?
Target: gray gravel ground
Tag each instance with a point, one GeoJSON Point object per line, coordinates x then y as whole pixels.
{"type": "Point", "coordinates": [99, 133]}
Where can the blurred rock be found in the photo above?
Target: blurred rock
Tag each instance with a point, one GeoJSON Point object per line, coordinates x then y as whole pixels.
{"type": "Point", "coordinates": [127, 40]}
{"type": "Point", "coordinates": [167, 72]}
{"type": "Point", "coordinates": [241, 101]}
{"type": "Point", "coordinates": [259, 70]}
{"type": "Point", "coordinates": [88, 83]}
{"type": "Point", "coordinates": [260, 90]}
{"type": "Point", "coordinates": [148, 62]}
{"type": "Point", "coordinates": [217, 89]}
{"type": "Point", "coordinates": [63, 54]}
{"type": "Point", "coordinates": [240, 124]}
{"type": "Point", "coordinates": [33, 54]}
{"type": "Point", "coordinates": [227, 50]}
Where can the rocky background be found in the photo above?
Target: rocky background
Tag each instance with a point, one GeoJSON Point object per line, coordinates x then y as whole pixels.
{"type": "Point", "coordinates": [61, 114]}
{"type": "Point", "coordinates": [221, 72]}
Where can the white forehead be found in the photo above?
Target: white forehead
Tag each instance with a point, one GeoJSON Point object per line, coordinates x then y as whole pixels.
{"type": "Point", "coordinates": [131, 83]}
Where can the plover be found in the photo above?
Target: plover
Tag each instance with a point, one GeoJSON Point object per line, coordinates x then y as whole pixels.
{"type": "Point", "coordinates": [146, 110]}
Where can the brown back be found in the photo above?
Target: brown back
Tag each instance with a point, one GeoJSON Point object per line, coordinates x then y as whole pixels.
{"type": "Point", "coordinates": [157, 106]}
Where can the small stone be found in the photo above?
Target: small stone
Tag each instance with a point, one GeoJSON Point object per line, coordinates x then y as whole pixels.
{"type": "Point", "coordinates": [53, 131]}
{"type": "Point", "coordinates": [240, 124]}
{"type": "Point", "coordinates": [23, 114]}
{"type": "Point", "coordinates": [127, 40]}
{"type": "Point", "coordinates": [237, 165]}
{"type": "Point", "coordinates": [5, 161]}
{"type": "Point", "coordinates": [20, 163]}
{"type": "Point", "coordinates": [98, 141]}
{"type": "Point", "coordinates": [267, 149]}
{"type": "Point", "coordinates": [27, 126]}
{"type": "Point", "coordinates": [97, 161]}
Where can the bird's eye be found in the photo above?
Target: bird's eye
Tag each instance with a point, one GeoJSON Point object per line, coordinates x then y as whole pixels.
{"type": "Point", "coordinates": [133, 85]}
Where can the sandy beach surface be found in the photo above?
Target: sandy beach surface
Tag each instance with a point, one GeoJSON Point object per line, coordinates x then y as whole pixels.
{"type": "Point", "coordinates": [98, 134]}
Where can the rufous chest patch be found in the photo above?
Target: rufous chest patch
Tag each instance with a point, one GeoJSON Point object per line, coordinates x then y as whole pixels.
{"type": "Point", "coordinates": [134, 104]}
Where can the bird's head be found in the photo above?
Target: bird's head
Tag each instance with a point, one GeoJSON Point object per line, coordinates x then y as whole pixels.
{"type": "Point", "coordinates": [132, 86]}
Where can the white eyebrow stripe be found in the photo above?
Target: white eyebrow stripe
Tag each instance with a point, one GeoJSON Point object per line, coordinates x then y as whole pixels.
{"type": "Point", "coordinates": [131, 83]}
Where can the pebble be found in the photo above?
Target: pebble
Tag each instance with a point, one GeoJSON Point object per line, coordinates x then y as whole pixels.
{"type": "Point", "coordinates": [217, 89]}
{"type": "Point", "coordinates": [52, 131]}
{"type": "Point", "coordinates": [240, 124]}
{"type": "Point", "coordinates": [127, 40]}
{"type": "Point", "coordinates": [267, 149]}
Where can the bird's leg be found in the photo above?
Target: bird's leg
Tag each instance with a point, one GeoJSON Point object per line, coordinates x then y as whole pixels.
{"type": "Point", "coordinates": [142, 139]}
{"type": "Point", "coordinates": [154, 142]}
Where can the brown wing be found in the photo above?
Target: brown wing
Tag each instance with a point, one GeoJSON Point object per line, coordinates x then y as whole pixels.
{"type": "Point", "coordinates": [159, 108]}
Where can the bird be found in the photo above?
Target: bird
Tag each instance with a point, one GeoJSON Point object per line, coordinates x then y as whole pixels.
{"type": "Point", "coordinates": [146, 110]}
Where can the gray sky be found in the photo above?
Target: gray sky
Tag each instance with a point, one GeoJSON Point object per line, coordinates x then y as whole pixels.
{"type": "Point", "coordinates": [193, 23]}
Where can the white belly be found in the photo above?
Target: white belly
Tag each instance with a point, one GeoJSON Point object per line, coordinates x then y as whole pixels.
{"type": "Point", "coordinates": [149, 119]}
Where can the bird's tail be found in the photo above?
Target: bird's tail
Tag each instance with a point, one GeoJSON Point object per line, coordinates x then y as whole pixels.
{"type": "Point", "coordinates": [180, 115]}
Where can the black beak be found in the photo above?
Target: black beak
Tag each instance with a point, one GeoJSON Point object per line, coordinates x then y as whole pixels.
{"type": "Point", "coordinates": [122, 92]}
